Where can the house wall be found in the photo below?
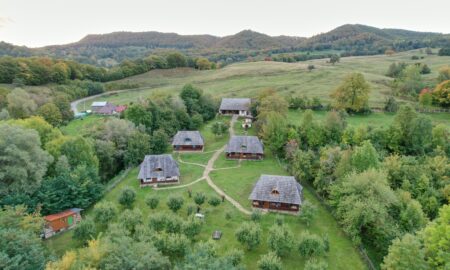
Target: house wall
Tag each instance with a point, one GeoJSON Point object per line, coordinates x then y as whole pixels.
{"type": "Point", "coordinates": [61, 224]}
{"type": "Point", "coordinates": [275, 206]}
{"type": "Point", "coordinates": [188, 147]}
{"type": "Point", "coordinates": [153, 181]}
{"type": "Point", "coordinates": [244, 156]}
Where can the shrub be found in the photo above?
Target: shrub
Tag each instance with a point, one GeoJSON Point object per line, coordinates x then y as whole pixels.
{"type": "Point", "coordinates": [104, 212]}
{"type": "Point", "coordinates": [280, 240]}
{"type": "Point", "coordinates": [192, 227]}
{"type": "Point", "coordinates": [84, 231]}
{"type": "Point", "coordinates": [314, 264]}
{"type": "Point", "coordinates": [249, 234]}
{"type": "Point", "coordinates": [228, 215]}
{"type": "Point", "coordinates": [308, 212]}
{"type": "Point", "coordinates": [269, 261]}
{"type": "Point", "coordinates": [175, 202]}
{"type": "Point", "coordinates": [152, 201]}
{"type": "Point", "coordinates": [199, 198]}
{"type": "Point", "coordinates": [214, 201]}
{"type": "Point", "coordinates": [279, 220]}
{"type": "Point", "coordinates": [191, 209]}
{"type": "Point", "coordinates": [127, 197]}
{"type": "Point", "coordinates": [311, 245]}
{"type": "Point", "coordinates": [256, 215]}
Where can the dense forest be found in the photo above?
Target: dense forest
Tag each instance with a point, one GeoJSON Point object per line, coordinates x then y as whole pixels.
{"type": "Point", "coordinates": [111, 49]}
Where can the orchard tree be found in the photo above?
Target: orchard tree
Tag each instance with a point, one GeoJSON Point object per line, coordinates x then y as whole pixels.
{"type": "Point", "coordinates": [130, 219]}
{"type": "Point", "coordinates": [152, 201]}
{"type": "Point", "coordinates": [314, 264]}
{"type": "Point", "coordinates": [352, 94]}
{"type": "Point", "coordinates": [270, 261]}
{"type": "Point", "coordinates": [405, 254]}
{"type": "Point", "coordinates": [280, 240]}
{"type": "Point", "coordinates": [104, 212]}
{"type": "Point", "coordinates": [175, 202]}
{"type": "Point", "coordinates": [84, 231]}
{"type": "Point", "coordinates": [219, 128]}
{"type": "Point", "coordinates": [192, 227]}
{"type": "Point", "coordinates": [199, 198]}
{"type": "Point", "coordinates": [249, 234]}
{"type": "Point", "coordinates": [311, 245]}
{"type": "Point", "coordinates": [51, 113]}
{"type": "Point", "coordinates": [127, 197]}
{"type": "Point", "coordinates": [334, 58]}
{"type": "Point", "coordinates": [307, 213]}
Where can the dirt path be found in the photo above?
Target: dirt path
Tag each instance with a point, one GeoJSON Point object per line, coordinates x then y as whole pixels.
{"type": "Point", "coordinates": [209, 168]}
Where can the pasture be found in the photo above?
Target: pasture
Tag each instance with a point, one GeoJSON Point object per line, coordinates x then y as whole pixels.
{"type": "Point", "coordinates": [248, 78]}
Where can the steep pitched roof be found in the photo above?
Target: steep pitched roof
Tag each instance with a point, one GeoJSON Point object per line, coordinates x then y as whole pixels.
{"type": "Point", "coordinates": [235, 104]}
{"type": "Point", "coordinates": [188, 138]}
{"type": "Point", "coordinates": [245, 144]}
{"type": "Point", "coordinates": [109, 108]}
{"type": "Point", "coordinates": [158, 166]}
{"type": "Point", "coordinates": [275, 188]}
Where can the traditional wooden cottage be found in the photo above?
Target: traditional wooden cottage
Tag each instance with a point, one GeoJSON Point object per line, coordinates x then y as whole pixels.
{"type": "Point", "coordinates": [238, 106]}
{"type": "Point", "coordinates": [244, 147]}
{"type": "Point", "coordinates": [61, 221]}
{"type": "Point", "coordinates": [277, 193]}
{"type": "Point", "coordinates": [159, 169]}
{"type": "Point", "coordinates": [188, 141]}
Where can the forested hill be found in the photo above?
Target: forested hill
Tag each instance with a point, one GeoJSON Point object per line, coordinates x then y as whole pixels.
{"type": "Point", "coordinates": [351, 39]}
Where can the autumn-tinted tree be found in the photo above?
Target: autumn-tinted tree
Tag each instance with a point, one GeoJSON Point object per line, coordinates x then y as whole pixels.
{"type": "Point", "coordinates": [352, 94]}
{"type": "Point", "coordinates": [50, 112]}
{"type": "Point", "coordinates": [441, 94]}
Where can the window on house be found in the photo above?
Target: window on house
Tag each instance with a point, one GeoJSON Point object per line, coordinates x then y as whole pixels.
{"type": "Point", "coordinates": [157, 169]}
{"type": "Point", "coordinates": [275, 192]}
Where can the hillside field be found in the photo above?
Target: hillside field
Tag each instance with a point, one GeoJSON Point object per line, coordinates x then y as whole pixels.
{"type": "Point", "coordinates": [248, 78]}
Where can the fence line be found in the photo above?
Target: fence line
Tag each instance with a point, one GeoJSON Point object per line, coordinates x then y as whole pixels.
{"type": "Point", "coordinates": [361, 249]}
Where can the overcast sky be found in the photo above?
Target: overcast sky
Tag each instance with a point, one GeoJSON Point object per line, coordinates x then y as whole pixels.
{"type": "Point", "coordinates": [45, 22]}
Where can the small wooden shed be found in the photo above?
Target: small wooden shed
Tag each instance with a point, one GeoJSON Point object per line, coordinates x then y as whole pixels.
{"type": "Point", "coordinates": [61, 221]}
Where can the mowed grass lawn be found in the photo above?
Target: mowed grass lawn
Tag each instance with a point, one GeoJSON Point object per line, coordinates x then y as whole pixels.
{"type": "Point", "coordinates": [237, 182]}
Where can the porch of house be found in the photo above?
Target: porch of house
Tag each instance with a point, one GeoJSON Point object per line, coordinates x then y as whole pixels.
{"type": "Point", "coordinates": [196, 148]}
{"type": "Point", "coordinates": [160, 181]}
{"type": "Point", "coordinates": [247, 156]}
{"type": "Point", "coordinates": [275, 206]}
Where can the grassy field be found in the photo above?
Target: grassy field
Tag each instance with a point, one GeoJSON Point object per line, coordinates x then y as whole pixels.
{"type": "Point", "coordinates": [247, 79]}
{"type": "Point", "coordinates": [237, 182]}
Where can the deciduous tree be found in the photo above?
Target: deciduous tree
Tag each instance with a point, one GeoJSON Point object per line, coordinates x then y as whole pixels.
{"type": "Point", "coordinates": [352, 94]}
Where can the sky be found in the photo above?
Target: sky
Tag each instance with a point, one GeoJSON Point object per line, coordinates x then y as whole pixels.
{"type": "Point", "coordinates": [36, 23]}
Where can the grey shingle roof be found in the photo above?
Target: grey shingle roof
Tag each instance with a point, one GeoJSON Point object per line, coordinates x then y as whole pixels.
{"type": "Point", "coordinates": [289, 191]}
{"type": "Point", "coordinates": [245, 144]}
{"type": "Point", "coordinates": [235, 104]}
{"type": "Point", "coordinates": [109, 108]}
{"type": "Point", "coordinates": [158, 166]}
{"type": "Point", "coordinates": [187, 138]}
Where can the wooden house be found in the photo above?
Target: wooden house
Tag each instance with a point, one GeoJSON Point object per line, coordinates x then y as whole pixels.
{"type": "Point", "coordinates": [158, 169]}
{"type": "Point", "coordinates": [61, 221]}
{"type": "Point", "coordinates": [277, 193]}
{"type": "Point", "coordinates": [238, 106]}
{"type": "Point", "coordinates": [188, 141]}
{"type": "Point", "coordinates": [244, 147]}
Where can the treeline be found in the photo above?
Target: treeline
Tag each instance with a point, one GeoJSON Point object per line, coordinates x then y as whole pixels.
{"type": "Point", "coordinates": [381, 182]}
{"type": "Point", "coordinates": [42, 70]}
{"type": "Point", "coordinates": [408, 81]}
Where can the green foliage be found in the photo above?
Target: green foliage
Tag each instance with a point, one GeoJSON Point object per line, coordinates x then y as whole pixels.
{"type": "Point", "coordinates": [152, 201]}
{"type": "Point", "coordinates": [214, 201]}
{"type": "Point", "coordinates": [199, 198]}
{"type": "Point", "coordinates": [364, 157]}
{"type": "Point", "coordinates": [137, 114]}
{"type": "Point", "coordinates": [311, 245]}
{"type": "Point", "coordinates": [198, 103]}
{"type": "Point", "coordinates": [409, 81]}
{"type": "Point", "coordinates": [352, 94]}
{"type": "Point", "coordinates": [269, 261]}
{"type": "Point", "coordinates": [138, 146]}
{"type": "Point", "coordinates": [391, 104]}
{"type": "Point", "coordinates": [274, 133]}
{"type": "Point", "coordinates": [20, 104]}
{"type": "Point", "coordinates": [280, 240]}
{"type": "Point", "coordinates": [192, 227]}
{"type": "Point", "coordinates": [104, 212]}
{"type": "Point", "coordinates": [334, 58]}
{"type": "Point", "coordinates": [249, 234]}
{"type": "Point", "coordinates": [405, 254]}
{"type": "Point", "coordinates": [159, 142]}
{"type": "Point", "coordinates": [307, 213]}
{"type": "Point", "coordinates": [175, 59]}
{"type": "Point", "coordinates": [437, 240]}
{"type": "Point", "coordinates": [175, 202]}
{"type": "Point", "coordinates": [24, 162]}
{"type": "Point", "coordinates": [219, 128]}
{"type": "Point", "coordinates": [130, 219]}
{"type": "Point", "coordinates": [51, 113]}
{"type": "Point", "coordinates": [314, 264]}
{"type": "Point", "coordinates": [256, 215]}
{"type": "Point", "coordinates": [362, 203]}
{"type": "Point", "coordinates": [127, 197]}
{"type": "Point", "coordinates": [85, 231]}
{"type": "Point", "coordinates": [444, 51]}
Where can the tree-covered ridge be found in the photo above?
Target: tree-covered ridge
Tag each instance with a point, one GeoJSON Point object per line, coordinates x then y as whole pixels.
{"type": "Point", "coordinates": [111, 49]}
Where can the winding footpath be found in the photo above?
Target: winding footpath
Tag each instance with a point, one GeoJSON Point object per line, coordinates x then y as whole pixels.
{"type": "Point", "coordinates": [209, 168]}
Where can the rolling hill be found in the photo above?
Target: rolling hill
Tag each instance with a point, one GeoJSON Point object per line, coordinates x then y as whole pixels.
{"type": "Point", "coordinates": [352, 39]}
